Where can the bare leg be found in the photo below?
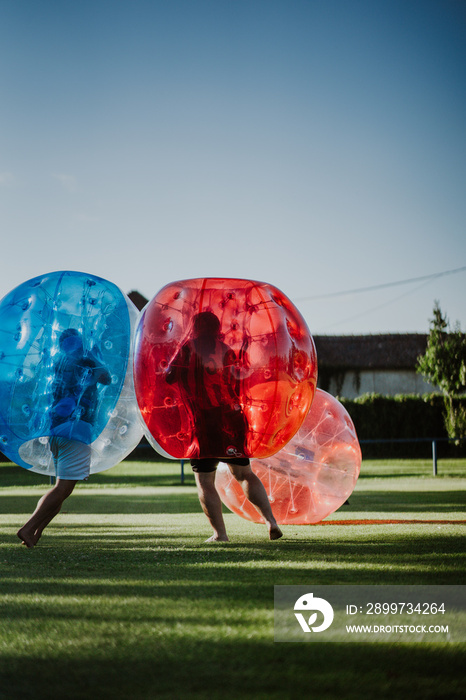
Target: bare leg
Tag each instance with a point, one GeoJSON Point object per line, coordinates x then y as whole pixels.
{"type": "Point", "coordinates": [255, 492]}
{"type": "Point", "coordinates": [211, 505]}
{"type": "Point", "coordinates": [47, 508]}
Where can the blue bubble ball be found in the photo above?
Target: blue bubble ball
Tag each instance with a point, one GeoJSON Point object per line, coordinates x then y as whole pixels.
{"type": "Point", "coordinates": [66, 369]}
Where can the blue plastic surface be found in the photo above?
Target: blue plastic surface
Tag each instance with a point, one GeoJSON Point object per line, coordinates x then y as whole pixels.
{"type": "Point", "coordinates": [66, 369]}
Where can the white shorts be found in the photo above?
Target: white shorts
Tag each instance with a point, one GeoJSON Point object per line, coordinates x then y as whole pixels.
{"type": "Point", "coordinates": [72, 459]}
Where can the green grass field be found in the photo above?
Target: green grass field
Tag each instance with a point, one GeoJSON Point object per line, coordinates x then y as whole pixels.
{"type": "Point", "coordinates": [123, 599]}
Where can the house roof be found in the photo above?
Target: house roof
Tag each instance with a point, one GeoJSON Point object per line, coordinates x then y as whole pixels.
{"type": "Point", "coordinates": [138, 300]}
{"type": "Point", "coordinates": [388, 351]}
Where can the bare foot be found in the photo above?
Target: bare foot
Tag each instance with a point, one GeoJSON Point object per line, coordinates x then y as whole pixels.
{"type": "Point", "coordinates": [26, 537]}
{"type": "Point", "coordinates": [274, 532]}
{"type": "Point", "coordinates": [218, 538]}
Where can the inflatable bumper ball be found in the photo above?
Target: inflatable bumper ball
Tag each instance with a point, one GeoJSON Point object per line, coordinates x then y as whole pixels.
{"type": "Point", "coordinates": [312, 476]}
{"type": "Point", "coordinates": [224, 368]}
{"type": "Point", "coordinates": [66, 370]}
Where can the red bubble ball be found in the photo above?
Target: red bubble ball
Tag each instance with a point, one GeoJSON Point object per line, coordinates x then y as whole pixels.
{"type": "Point", "coordinates": [312, 476]}
{"type": "Point", "coordinates": [224, 368]}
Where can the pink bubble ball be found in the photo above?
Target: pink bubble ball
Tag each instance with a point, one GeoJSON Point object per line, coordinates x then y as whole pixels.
{"type": "Point", "coordinates": [309, 478]}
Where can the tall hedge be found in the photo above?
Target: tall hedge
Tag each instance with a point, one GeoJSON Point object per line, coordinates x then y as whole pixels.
{"type": "Point", "coordinates": [401, 417]}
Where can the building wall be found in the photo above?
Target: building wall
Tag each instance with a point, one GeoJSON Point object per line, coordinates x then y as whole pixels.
{"type": "Point", "coordinates": [386, 382]}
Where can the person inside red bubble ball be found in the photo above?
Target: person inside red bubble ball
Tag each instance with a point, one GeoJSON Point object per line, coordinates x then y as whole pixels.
{"type": "Point", "coordinates": [205, 370]}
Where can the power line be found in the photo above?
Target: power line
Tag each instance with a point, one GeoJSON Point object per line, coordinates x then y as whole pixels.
{"type": "Point", "coordinates": [376, 308]}
{"type": "Point", "coordinates": [382, 286]}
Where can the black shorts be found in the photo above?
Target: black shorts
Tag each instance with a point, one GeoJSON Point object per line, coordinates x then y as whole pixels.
{"type": "Point", "coordinates": [210, 464]}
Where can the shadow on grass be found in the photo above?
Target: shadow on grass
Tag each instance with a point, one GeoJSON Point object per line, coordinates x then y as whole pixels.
{"type": "Point", "coordinates": [407, 501]}
{"type": "Point", "coordinates": [199, 668]}
{"type": "Point", "coordinates": [168, 615]}
{"type": "Point", "coordinates": [142, 480]}
{"type": "Point", "coordinates": [394, 475]}
{"type": "Point", "coordinates": [159, 475]}
{"type": "Point", "coordinates": [13, 475]}
{"type": "Point", "coordinates": [127, 564]}
{"type": "Point", "coordinates": [183, 502]}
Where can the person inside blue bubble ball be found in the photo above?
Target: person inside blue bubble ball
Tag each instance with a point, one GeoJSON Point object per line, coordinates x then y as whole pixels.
{"type": "Point", "coordinates": [75, 401]}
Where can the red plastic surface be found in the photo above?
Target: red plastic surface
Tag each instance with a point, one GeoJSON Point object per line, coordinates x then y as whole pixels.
{"type": "Point", "coordinates": [223, 368]}
{"type": "Point", "coordinates": [311, 476]}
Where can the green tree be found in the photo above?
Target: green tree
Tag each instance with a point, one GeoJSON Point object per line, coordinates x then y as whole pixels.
{"type": "Point", "coordinates": [444, 365]}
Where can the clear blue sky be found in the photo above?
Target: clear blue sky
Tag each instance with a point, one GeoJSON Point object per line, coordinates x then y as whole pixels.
{"type": "Point", "coordinates": [318, 145]}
